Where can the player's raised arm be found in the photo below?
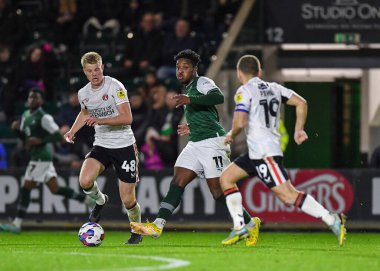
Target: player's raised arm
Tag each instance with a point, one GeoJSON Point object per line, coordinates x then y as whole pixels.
{"type": "Point", "coordinates": [16, 127]}
{"type": "Point", "coordinates": [79, 122]}
{"type": "Point", "coordinates": [239, 122]}
{"type": "Point", "coordinates": [213, 97]}
{"type": "Point", "coordinates": [211, 93]}
{"type": "Point", "coordinates": [49, 125]}
{"type": "Point", "coordinates": [301, 114]}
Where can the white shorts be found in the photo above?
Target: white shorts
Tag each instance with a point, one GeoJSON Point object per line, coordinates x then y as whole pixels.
{"type": "Point", "coordinates": [39, 171]}
{"type": "Point", "coordinates": [207, 158]}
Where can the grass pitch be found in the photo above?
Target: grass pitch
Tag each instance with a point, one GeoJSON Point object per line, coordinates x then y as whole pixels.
{"type": "Point", "coordinates": [189, 251]}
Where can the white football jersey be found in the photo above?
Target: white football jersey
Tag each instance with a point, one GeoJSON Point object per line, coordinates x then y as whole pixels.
{"type": "Point", "coordinates": [102, 103]}
{"type": "Point", "coordinates": [262, 101]}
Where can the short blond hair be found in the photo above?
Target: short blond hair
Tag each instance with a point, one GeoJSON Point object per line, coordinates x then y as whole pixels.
{"type": "Point", "coordinates": [249, 64]}
{"type": "Point", "coordinates": [91, 58]}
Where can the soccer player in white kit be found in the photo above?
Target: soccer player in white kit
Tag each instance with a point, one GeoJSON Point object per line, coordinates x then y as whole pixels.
{"type": "Point", "coordinates": [258, 111]}
{"type": "Point", "coordinates": [105, 105]}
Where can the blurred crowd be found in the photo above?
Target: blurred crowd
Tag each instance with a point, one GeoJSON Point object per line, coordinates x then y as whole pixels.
{"type": "Point", "coordinates": [41, 42]}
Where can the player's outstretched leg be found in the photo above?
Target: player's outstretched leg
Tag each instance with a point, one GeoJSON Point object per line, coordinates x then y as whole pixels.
{"type": "Point", "coordinates": [339, 228]}
{"type": "Point", "coordinates": [134, 215]}
{"type": "Point", "coordinates": [289, 195]}
{"type": "Point", "coordinates": [235, 236]}
{"type": "Point", "coordinates": [97, 210]}
{"type": "Point", "coordinates": [167, 207]}
{"type": "Point", "coordinates": [148, 229]}
{"type": "Point", "coordinates": [253, 233]}
{"type": "Point", "coordinates": [69, 193]}
{"type": "Point", "coordinates": [15, 226]}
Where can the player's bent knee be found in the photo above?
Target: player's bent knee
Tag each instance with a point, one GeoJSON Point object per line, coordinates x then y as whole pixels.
{"type": "Point", "coordinates": [28, 186]}
{"type": "Point", "coordinates": [54, 190]}
{"type": "Point", "coordinates": [130, 203]}
{"type": "Point", "coordinates": [216, 195]}
{"type": "Point", "coordinates": [225, 184]}
{"type": "Point", "coordinates": [86, 183]}
{"type": "Point", "coordinates": [179, 182]}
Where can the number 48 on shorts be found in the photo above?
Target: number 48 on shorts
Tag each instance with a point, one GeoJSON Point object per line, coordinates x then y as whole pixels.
{"type": "Point", "coordinates": [129, 166]}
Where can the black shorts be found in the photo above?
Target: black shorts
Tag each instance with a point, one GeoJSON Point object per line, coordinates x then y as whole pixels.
{"type": "Point", "coordinates": [124, 160]}
{"type": "Point", "coordinates": [270, 170]}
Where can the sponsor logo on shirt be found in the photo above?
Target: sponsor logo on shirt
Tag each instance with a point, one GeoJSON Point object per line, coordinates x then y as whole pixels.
{"type": "Point", "coordinates": [102, 112]}
{"type": "Point", "coordinates": [262, 86]}
{"type": "Point", "coordinates": [121, 94]}
{"type": "Point", "coordinates": [238, 97]}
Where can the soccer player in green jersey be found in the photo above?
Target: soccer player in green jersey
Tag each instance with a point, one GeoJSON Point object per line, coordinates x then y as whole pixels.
{"type": "Point", "coordinates": [205, 155]}
{"type": "Point", "coordinates": [37, 129]}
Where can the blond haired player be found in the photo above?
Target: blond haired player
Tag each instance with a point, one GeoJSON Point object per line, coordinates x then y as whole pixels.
{"type": "Point", "coordinates": [105, 105]}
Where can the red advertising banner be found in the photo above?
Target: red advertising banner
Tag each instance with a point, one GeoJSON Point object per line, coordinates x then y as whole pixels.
{"type": "Point", "coordinates": [328, 187]}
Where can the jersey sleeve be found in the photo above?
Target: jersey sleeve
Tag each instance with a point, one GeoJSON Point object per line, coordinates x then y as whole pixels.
{"type": "Point", "coordinates": [119, 92]}
{"type": "Point", "coordinates": [81, 100]}
{"type": "Point", "coordinates": [286, 93]}
{"type": "Point", "coordinates": [48, 123]}
{"type": "Point", "coordinates": [242, 100]}
{"type": "Point", "coordinates": [205, 85]}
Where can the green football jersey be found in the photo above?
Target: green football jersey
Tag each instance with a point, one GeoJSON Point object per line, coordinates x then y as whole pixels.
{"type": "Point", "coordinates": [41, 125]}
{"type": "Point", "coordinates": [202, 117]}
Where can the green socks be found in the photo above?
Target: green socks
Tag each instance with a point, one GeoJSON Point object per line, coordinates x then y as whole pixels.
{"type": "Point", "coordinates": [70, 194]}
{"type": "Point", "coordinates": [23, 203]}
{"type": "Point", "coordinates": [170, 202]}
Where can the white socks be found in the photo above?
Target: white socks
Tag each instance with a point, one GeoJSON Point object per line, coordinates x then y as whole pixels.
{"type": "Point", "coordinates": [17, 222]}
{"type": "Point", "coordinates": [250, 224]}
{"type": "Point", "coordinates": [134, 214]}
{"type": "Point", "coordinates": [235, 206]}
{"type": "Point", "coordinates": [96, 194]}
{"type": "Point", "coordinates": [311, 207]}
{"type": "Point", "coordinates": [160, 222]}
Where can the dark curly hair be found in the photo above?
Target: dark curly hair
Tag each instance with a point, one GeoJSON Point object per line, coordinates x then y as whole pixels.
{"type": "Point", "coordinates": [190, 55]}
{"type": "Point", "coordinates": [37, 90]}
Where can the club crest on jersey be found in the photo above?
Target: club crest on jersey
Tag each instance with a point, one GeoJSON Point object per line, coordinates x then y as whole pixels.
{"type": "Point", "coordinates": [238, 97]}
{"type": "Point", "coordinates": [121, 94]}
{"type": "Point", "coordinates": [105, 97]}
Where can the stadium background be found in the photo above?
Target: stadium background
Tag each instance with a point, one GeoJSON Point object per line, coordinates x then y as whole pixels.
{"type": "Point", "coordinates": [328, 53]}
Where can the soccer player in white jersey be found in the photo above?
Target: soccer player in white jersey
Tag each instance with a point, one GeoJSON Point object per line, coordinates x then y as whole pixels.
{"type": "Point", "coordinates": [258, 110]}
{"type": "Point", "coordinates": [105, 105]}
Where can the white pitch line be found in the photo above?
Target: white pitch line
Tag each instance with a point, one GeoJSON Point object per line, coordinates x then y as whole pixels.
{"type": "Point", "coordinates": [171, 263]}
